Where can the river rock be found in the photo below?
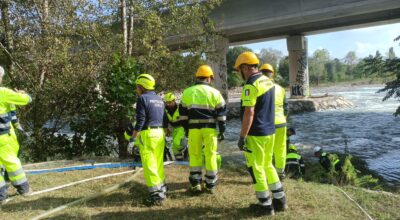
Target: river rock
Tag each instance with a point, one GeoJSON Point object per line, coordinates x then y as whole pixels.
{"type": "Point", "coordinates": [318, 103]}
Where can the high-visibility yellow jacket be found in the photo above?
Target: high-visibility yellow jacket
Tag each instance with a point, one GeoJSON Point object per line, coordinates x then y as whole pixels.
{"type": "Point", "coordinates": [9, 97]}
{"type": "Point", "coordinates": [280, 106]}
{"type": "Point", "coordinates": [202, 106]}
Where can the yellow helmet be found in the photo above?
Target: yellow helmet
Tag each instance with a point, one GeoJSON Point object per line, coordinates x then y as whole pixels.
{"type": "Point", "coordinates": [268, 67]}
{"type": "Point", "coordinates": [146, 80]}
{"type": "Point", "coordinates": [292, 148]}
{"type": "Point", "coordinates": [246, 58]}
{"type": "Point", "coordinates": [169, 97]}
{"type": "Point", "coordinates": [204, 71]}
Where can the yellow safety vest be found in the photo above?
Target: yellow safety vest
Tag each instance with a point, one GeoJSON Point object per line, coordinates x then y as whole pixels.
{"type": "Point", "coordinates": [173, 119]}
{"type": "Point", "coordinates": [280, 94]}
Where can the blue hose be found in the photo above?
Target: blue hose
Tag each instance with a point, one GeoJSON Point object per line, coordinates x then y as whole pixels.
{"type": "Point", "coordinates": [90, 167]}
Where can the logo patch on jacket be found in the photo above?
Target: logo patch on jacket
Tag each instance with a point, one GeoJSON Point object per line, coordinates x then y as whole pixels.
{"type": "Point", "coordinates": [247, 92]}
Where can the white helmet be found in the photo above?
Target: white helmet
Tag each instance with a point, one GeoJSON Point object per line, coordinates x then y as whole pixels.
{"type": "Point", "coordinates": [2, 72]}
{"type": "Point", "coordinates": [317, 149]}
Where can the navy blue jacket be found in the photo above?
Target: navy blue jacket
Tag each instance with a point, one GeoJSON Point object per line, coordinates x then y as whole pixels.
{"type": "Point", "coordinates": [150, 111]}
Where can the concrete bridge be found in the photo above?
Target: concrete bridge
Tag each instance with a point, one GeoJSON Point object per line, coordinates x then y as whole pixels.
{"type": "Point", "coordinates": [245, 21]}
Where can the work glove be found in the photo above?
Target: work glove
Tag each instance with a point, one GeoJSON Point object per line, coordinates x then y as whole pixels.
{"type": "Point", "coordinates": [242, 145]}
{"type": "Point", "coordinates": [184, 143]}
{"type": "Point", "coordinates": [221, 136]}
{"type": "Point", "coordinates": [131, 145]}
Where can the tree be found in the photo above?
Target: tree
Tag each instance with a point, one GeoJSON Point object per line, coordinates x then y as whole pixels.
{"type": "Point", "coordinates": [386, 67]}
{"type": "Point", "coordinates": [233, 53]}
{"type": "Point", "coordinates": [64, 52]}
{"type": "Point", "coordinates": [330, 71]}
{"type": "Point", "coordinates": [391, 54]}
{"type": "Point", "coordinates": [283, 71]}
{"type": "Point", "coordinates": [351, 61]}
{"type": "Point", "coordinates": [271, 56]}
{"type": "Point", "coordinates": [317, 65]}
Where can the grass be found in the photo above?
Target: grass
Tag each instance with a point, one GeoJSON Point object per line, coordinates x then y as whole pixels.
{"type": "Point", "coordinates": [306, 200]}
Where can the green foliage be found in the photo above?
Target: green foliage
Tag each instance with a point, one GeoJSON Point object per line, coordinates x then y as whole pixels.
{"type": "Point", "coordinates": [271, 56]}
{"type": "Point", "coordinates": [61, 53]}
{"type": "Point", "coordinates": [386, 68]}
{"type": "Point", "coordinates": [234, 80]}
{"type": "Point", "coordinates": [283, 71]}
{"type": "Point", "coordinates": [233, 53]}
{"type": "Point", "coordinates": [107, 118]}
{"type": "Point", "coordinates": [349, 174]}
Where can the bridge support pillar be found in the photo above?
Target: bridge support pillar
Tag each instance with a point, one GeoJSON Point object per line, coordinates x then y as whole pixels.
{"type": "Point", "coordinates": [217, 60]}
{"type": "Point", "coordinates": [298, 66]}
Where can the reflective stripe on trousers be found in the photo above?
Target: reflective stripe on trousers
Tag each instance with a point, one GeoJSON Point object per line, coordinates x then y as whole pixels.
{"type": "Point", "coordinates": [211, 178]}
{"type": "Point", "coordinates": [195, 175]}
{"type": "Point", "coordinates": [277, 190]}
{"type": "Point", "coordinates": [259, 162]}
{"type": "Point", "coordinates": [151, 145]}
{"type": "Point", "coordinates": [198, 138]}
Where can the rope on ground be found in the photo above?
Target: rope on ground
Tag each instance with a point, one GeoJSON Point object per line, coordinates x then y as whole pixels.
{"type": "Point", "coordinates": [91, 197]}
{"type": "Point", "coordinates": [358, 205]}
{"type": "Point", "coordinates": [88, 198]}
{"type": "Point", "coordinates": [79, 182]}
{"type": "Point", "coordinates": [73, 184]}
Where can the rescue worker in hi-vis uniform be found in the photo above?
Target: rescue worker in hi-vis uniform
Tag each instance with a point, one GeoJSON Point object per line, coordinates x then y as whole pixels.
{"type": "Point", "coordinates": [202, 107]}
{"type": "Point", "coordinates": [9, 145]}
{"type": "Point", "coordinates": [178, 132]}
{"type": "Point", "coordinates": [257, 135]}
{"type": "Point", "coordinates": [148, 134]}
{"type": "Point", "coordinates": [281, 111]}
{"type": "Point", "coordinates": [295, 166]}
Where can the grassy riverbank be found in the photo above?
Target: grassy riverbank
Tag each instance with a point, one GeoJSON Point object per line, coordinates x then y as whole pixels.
{"type": "Point", "coordinates": [306, 200]}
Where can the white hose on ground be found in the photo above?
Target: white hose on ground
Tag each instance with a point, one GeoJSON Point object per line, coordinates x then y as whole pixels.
{"type": "Point", "coordinates": [79, 182]}
{"type": "Point", "coordinates": [88, 198]}
{"type": "Point", "coordinates": [358, 205]}
{"type": "Point", "coordinates": [73, 184]}
{"type": "Point", "coordinates": [91, 197]}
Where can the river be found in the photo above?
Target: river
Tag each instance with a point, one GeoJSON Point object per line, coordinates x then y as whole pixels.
{"type": "Point", "coordinates": [372, 131]}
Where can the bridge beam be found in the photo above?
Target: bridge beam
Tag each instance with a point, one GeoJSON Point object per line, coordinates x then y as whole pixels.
{"type": "Point", "coordinates": [298, 66]}
{"type": "Point", "coordinates": [217, 60]}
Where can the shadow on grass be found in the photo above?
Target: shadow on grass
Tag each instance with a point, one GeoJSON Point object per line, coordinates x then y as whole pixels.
{"type": "Point", "coordinates": [42, 203]}
{"type": "Point", "coordinates": [208, 212]}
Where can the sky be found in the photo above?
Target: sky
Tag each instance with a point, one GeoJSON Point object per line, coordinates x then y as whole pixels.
{"type": "Point", "coordinates": [364, 41]}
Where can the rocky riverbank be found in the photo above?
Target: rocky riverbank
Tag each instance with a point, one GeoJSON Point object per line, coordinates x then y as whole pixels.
{"type": "Point", "coordinates": [311, 104]}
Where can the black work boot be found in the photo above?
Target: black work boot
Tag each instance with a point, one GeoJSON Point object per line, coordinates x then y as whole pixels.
{"type": "Point", "coordinates": [24, 189]}
{"type": "Point", "coordinates": [155, 199]}
{"type": "Point", "coordinates": [208, 188]}
{"type": "Point", "coordinates": [3, 195]}
{"type": "Point", "coordinates": [260, 209]}
{"type": "Point", "coordinates": [279, 204]}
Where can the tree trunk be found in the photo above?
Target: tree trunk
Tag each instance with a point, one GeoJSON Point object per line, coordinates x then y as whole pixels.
{"type": "Point", "coordinates": [130, 28]}
{"type": "Point", "coordinates": [45, 19]}
{"type": "Point", "coordinates": [124, 26]}
{"type": "Point", "coordinates": [8, 41]}
{"type": "Point", "coordinates": [122, 144]}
